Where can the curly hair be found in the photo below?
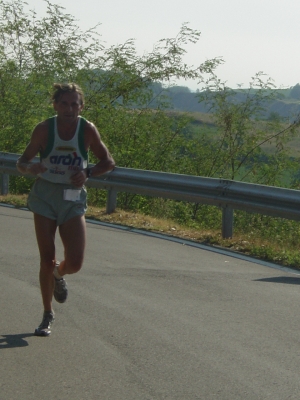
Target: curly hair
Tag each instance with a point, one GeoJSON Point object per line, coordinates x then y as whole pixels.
{"type": "Point", "coordinates": [61, 88]}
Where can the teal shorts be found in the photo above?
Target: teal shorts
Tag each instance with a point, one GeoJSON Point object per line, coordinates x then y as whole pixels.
{"type": "Point", "coordinates": [47, 199]}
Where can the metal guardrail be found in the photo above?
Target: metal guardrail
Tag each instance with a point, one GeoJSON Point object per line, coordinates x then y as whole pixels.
{"type": "Point", "coordinates": [228, 195]}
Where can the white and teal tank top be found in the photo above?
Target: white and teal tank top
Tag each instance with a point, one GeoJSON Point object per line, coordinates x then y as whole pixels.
{"type": "Point", "coordinates": [63, 158]}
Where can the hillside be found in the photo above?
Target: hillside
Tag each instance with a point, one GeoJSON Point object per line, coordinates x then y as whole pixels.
{"type": "Point", "coordinates": [286, 105]}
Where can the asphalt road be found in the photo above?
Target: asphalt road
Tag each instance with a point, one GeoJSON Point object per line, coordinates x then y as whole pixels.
{"type": "Point", "coordinates": [146, 319]}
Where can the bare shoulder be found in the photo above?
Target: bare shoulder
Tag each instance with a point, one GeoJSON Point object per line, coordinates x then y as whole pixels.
{"type": "Point", "coordinates": [39, 135]}
{"type": "Point", "coordinates": [91, 129]}
{"type": "Point", "coordinates": [94, 142]}
{"type": "Point", "coordinates": [38, 141]}
{"type": "Point", "coordinates": [41, 128]}
{"type": "Point", "coordinates": [92, 135]}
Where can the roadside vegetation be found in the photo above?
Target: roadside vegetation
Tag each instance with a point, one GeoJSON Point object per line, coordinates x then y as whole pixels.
{"type": "Point", "coordinates": [238, 137]}
{"type": "Point", "coordinates": [270, 239]}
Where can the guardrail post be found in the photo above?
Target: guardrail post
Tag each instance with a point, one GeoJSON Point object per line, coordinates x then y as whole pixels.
{"type": "Point", "coordinates": [111, 202]}
{"type": "Point", "coordinates": [227, 222]}
{"type": "Point", "coordinates": [4, 178]}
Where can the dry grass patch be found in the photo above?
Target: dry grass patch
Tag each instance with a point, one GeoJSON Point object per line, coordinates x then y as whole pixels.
{"type": "Point", "coordinates": [249, 244]}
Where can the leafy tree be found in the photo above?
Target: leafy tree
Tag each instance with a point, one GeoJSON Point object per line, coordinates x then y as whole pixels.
{"type": "Point", "coordinates": [237, 151]}
{"type": "Point", "coordinates": [126, 98]}
{"type": "Point", "coordinates": [120, 86]}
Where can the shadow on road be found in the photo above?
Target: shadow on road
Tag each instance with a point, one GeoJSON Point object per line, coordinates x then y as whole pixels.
{"type": "Point", "coordinates": [281, 279]}
{"type": "Point", "coordinates": [17, 340]}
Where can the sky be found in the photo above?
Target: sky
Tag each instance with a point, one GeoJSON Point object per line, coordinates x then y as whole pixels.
{"type": "Point", "coordinates": [250, 36]}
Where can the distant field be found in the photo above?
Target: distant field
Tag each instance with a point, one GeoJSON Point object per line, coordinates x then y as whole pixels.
{"type": "Point", "coordinates": [202, 119]}
{"type": "Point", "coordinates": [294, 146]}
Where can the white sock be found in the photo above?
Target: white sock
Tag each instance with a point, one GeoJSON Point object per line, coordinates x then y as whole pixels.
{"type": "Point", "coordinates": [56, 273]}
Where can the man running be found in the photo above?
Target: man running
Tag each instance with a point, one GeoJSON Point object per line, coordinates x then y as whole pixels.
{"type": "Point", "coordinates": [58, 196]}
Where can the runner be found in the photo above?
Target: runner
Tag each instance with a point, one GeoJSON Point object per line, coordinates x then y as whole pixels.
{"type": "Point", "coordinates": [58, 196]}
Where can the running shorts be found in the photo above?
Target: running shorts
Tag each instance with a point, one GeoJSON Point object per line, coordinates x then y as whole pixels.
{"type": "Point", "coordinates": [47, 199]}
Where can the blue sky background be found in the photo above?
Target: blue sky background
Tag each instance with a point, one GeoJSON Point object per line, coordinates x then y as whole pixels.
{"type": "Point", "coordinates": [251, 36]}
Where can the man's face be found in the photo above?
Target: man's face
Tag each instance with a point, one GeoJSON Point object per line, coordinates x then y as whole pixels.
{"type": "Point", "coordinates": [69, 106]}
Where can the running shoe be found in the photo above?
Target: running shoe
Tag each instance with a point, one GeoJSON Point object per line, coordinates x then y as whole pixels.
{"type": "Point", "coordinates": [44, 329]}
{"type": "Point", "coordinates": [60, 288]}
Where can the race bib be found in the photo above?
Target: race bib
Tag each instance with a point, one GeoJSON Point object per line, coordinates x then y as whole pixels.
{"type": "Point", "coordinates": [72, 194]}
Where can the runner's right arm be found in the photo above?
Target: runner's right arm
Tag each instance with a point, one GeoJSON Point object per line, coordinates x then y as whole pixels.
{"type": "Point", "coordinates": [37, 143]}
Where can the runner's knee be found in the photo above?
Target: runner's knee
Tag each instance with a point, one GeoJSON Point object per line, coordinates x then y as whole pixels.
{"type": "Point", "coordinates": [47, 265]}
{"type": "Point", "coordinates": [72, 266]}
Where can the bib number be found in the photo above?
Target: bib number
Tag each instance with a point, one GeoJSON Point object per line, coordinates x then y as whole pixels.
{"type": "Point", "coordinates": [72, 194]}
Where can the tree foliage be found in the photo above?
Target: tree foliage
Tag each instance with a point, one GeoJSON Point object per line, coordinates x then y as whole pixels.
{"type": "Point", "coordinates": [36, 52]}
{"type": "Point", "coordinates": [243, 127]}
{"type": "Point", "coordinates": [126, 99]}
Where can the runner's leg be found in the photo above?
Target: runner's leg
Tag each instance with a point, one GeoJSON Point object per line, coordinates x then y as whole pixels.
{"type": "Point", "coordinates": [73, 236]}
{"type": "Point", "coordinates": [45, 229]}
